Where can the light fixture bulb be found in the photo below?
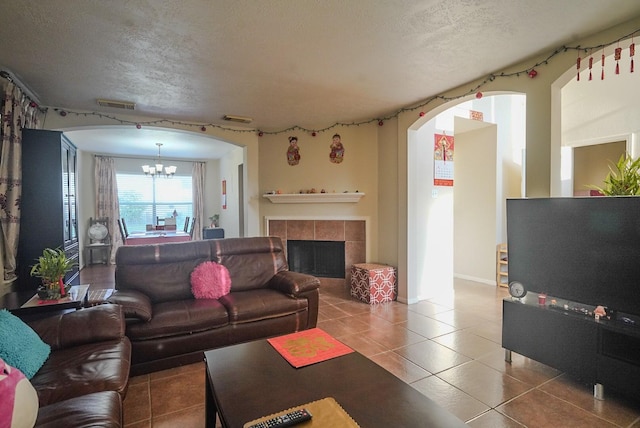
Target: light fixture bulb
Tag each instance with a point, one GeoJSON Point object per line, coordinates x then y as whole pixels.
{"type": "Point", "coordinates": [159, 168]}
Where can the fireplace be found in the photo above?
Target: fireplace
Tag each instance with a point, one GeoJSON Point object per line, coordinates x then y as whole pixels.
{"type": "Point", "coordinates": [318, 258]}
{"type": "Point", "coordinates": [351, 234]}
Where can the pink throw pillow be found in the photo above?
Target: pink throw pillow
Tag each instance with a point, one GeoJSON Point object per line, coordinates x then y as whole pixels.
{"type": "Point", "coordinates": [210, 280]}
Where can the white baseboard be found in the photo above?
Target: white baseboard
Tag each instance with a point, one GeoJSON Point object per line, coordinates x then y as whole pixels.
{"type": "Point", "coordinates": [476, 279]}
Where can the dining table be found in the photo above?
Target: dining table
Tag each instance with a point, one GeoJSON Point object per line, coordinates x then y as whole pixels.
{"type": "Point", "coordinates": [157, 237]}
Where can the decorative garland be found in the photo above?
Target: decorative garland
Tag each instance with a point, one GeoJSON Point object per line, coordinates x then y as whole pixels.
{"type": "Point", "coordinates": [529, 71]}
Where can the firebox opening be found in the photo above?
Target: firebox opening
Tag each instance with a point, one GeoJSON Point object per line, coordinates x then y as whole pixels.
{"type": "Point", "coordinates": [324, 259]}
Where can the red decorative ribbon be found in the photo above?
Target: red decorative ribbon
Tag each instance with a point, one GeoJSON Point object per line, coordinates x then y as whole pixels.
{"type": "Point", "coordinates": [61, 284]}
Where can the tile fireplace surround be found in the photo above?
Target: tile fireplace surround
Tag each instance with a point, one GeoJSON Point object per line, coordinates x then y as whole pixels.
{"type": "Point", "coordinates": [352, 232]}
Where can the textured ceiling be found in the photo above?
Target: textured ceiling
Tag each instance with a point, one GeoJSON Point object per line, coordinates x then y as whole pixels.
{"type": "Point", "coordinates": [280, 62]}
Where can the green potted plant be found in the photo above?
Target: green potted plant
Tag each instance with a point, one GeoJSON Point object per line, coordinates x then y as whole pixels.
{"type": "Point", "coordinates": [623, 178]}
{"type": "Point", "coordinates": [51, 267]}
{"type": "Point", "coordinates": [214, 220]}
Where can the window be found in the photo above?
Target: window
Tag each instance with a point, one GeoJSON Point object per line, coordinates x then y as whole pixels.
{"type": "Point", "coordinates": [143, 198]}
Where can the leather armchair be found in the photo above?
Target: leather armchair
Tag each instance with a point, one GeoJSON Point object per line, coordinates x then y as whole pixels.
{"type": "Point", "coordinates": [85, 378]}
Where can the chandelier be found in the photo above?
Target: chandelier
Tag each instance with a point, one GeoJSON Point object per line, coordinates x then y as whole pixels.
{"type": "Point", "coordinates": [158, 168]}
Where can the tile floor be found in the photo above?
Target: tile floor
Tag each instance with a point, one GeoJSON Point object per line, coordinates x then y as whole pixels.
{"type": "Point", "coordinates": [448, 349]}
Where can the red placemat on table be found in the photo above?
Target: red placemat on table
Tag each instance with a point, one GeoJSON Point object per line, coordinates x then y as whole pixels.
{"type": "Point", "coordinates": [308, 347]}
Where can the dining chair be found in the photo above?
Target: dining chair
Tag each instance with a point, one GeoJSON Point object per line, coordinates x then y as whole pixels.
{"type": "Point", "coordinates": [122, 234]}
{"type": "Point", "coordinates": [124, 226]}
{"type": "Point", "coordinates": [186, 225]}
{"type": "Point", "coordinates": [193, 224]}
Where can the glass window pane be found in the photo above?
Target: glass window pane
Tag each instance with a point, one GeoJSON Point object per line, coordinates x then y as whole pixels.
{"type": "Point", "coordinates": [142, 199]}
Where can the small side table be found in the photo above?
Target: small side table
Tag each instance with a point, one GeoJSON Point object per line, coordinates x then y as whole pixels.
{"type": "Point", "coordinates": [212, 233]}
{"type": "Point", "coordinates": [26, 303]}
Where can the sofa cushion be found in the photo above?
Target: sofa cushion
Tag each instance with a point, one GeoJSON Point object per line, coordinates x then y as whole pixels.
{"type": "Point", "coordinates": [90, 325]}
{"type": "Point", "coordinates": [20, 346]}
{"type": "Point", "coordinates": [255, 305]}
{"type": "Point", "coordinates": [134, 304]}
{"type": "Point", "coordinates": [210, 280]}
{"type": "Point", "coordinates": [160, 271]}
{"type": "Point", "coordinates": [180, 317]}
{"type": "Point", "coordinates": [99, 409]}
{"type": "Point", "coordinates": [79, 370]}
{"type": "Point", "coordinates": [251, 262]}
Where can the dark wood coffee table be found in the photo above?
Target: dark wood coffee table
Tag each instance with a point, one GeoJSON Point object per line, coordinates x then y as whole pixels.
{"type": "Point", "coordinates": [252, 380]}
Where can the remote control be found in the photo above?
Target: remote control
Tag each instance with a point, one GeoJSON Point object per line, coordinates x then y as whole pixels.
{"type": "Point", "coordinates": [288, 419]}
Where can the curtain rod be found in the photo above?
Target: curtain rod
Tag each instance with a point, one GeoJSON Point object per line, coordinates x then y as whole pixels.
{"type": "Point", "coordinates": [146, 158]}
{"type": "Point", "coordinates": [24, 88]}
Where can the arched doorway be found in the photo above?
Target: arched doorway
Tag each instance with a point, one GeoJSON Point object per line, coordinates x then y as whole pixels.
{"type": "Point", "coordinates": [592, 112]}
{"type": "Point", "coordinates": [430, 210]}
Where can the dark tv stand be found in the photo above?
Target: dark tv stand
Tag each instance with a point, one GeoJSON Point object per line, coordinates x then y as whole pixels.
{"type": "Point", "coordinates": [600, 352]}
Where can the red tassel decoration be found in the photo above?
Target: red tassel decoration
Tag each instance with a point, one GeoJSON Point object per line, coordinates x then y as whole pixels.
{"type": "Point", "coordinates": [61, 284]}
{"type": "Point", "coordinates": [632, 52]}
{"type": "Point", "coordinates": [616, 56]}
{"type": "Point", "coordinates": [602, 73]}
{"type": "Point", "coordinates": [578, 68]}
{"type": "Point", "coordinates": [590, 67]}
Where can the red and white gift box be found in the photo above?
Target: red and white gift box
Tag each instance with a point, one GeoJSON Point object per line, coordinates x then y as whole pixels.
{"type": "Point", "coordinates": [373, 283]}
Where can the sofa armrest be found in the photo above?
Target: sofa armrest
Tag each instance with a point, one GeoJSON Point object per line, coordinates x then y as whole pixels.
{"type": "Point", "coordinates": [90, 325]}
{"type": "Point", "coordinates": [293, 283]}
{"type": "Point", "coordinates": [134, 303]}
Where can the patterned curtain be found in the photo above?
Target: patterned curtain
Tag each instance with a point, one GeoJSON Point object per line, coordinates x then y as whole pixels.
{"type": "Point", "coordinates": [197, 178]}
{"type": "Point", "coordinates": [18, 112]}
{"type": "Point", "coordinates": [107, 199]}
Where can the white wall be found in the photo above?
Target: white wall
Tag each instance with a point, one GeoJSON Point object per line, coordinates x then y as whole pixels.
{"type": "Point", "coordinates": [475, 202]}
{"type": "Point", "coordinates": [430, 221]}
{"type": "Point", "coordinates": [228, 171]}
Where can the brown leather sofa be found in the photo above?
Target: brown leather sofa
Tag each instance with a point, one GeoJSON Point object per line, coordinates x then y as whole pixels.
{"type": "Point", "coordinates": [168, 327]}
{"type": "Point", "coordinates": [85, 378]}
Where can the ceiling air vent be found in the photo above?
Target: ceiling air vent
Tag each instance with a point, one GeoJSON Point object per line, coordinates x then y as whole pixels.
{"type": "Point", "coordinates": [126, 105]}
{"type": "Point", "coordinates": [239, 119]}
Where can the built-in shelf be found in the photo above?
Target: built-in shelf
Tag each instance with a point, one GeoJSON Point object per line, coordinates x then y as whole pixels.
{"type": "Point", "coordinates": [313, 198]}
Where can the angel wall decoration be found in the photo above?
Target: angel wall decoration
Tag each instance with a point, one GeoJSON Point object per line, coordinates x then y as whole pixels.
{"type": "Point", "coordinates": [293, 152]}
{"type": "Point", "coordinates": [337, 149]}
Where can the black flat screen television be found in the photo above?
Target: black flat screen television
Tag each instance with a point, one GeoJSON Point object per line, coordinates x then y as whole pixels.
{"type": "Point", "coordinates": [585, 250]}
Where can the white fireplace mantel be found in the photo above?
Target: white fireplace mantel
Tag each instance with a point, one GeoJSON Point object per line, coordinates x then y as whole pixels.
{"type": "Point", "coordinates": [313, 198]}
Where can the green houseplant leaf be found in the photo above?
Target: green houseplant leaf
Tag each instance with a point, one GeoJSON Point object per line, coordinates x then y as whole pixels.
{"type": "Point", "coordinates": [623, 178]}
{"type": "Point", "coordinates": [52, 265]}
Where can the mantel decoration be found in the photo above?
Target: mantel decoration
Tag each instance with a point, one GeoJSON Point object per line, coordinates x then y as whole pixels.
{"type": "Point", "coordinates": [337, 149]}
{"type": "Point", "coordinates": [623, 178]}
{"type": "Point", "coordinates": [159, 168]}
{"type": "Point", "coordinates": [313, 198]}
{"type": "Point", "coordinates": [51, 267]}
